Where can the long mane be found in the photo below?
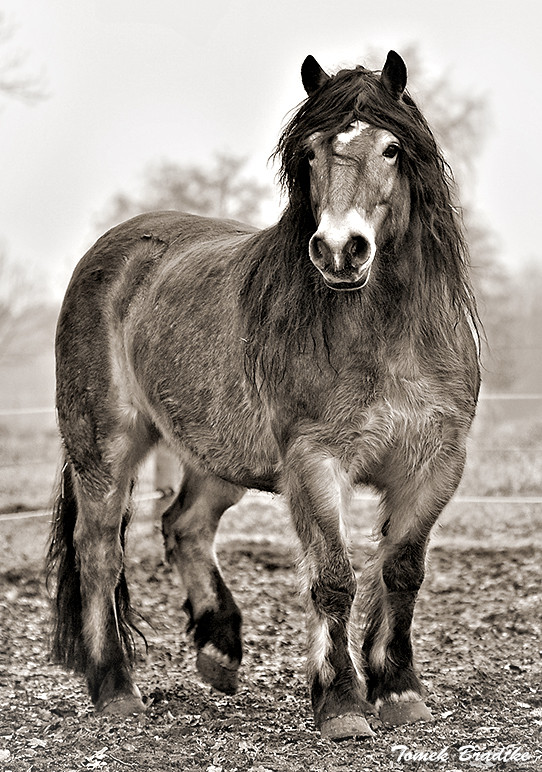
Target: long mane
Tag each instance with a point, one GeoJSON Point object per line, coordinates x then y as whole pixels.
{"type": "Point", "coordinates": [285, 302]}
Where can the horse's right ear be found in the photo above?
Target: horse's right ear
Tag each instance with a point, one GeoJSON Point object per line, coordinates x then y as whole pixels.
{"type": "Point", "coordinates": [394, 75]}
{"type": "Point", "coordinates": [312, 75]}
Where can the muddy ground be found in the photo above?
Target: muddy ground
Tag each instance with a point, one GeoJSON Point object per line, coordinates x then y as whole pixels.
{"type": "Point", "coordinates": [478, 647]}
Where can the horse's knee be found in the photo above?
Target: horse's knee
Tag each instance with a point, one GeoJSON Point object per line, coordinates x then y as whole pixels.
{"type": "Point", "coordinates": [100, 559]}
{"type": "Point", "coordinates": [187, 495]}
{"type": "Point", "coordinates": [334, 598]}
{"type": "Point", "coordinates": [403, 570]}
{"type": "Point", "coordinates": [189, 524]}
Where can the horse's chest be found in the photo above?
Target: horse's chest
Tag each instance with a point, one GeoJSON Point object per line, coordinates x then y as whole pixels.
{"type": "Point", "coordinates": [393, 417]}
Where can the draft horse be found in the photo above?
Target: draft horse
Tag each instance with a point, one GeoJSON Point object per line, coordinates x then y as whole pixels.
{"type": "Point", "coordinates": [334, 349]}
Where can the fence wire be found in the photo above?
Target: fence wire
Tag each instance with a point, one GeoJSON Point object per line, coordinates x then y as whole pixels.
{"type": "Point", "coordinates": [158, 494]}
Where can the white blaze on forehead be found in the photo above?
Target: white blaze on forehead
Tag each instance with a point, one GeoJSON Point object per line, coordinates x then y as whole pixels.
{"type": "Point", "coordinates": [383, 137]}
{"type": "Point", "coordinates": [353, 131]}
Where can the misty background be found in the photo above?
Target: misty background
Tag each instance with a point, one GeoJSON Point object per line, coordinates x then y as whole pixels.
{"type": "Point", "coordinates": [109, 108]}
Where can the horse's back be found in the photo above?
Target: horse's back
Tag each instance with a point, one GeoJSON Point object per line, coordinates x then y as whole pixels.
{"type": "Point", "coordinates": [152, 232]}
{"type": "Point", "coordinates": [126, 259]}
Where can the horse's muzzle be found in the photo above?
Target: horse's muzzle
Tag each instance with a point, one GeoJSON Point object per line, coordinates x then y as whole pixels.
{"type": "Point", "coordinates": [344, 266]}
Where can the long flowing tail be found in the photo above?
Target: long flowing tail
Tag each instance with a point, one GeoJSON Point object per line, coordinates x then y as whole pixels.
{"type": "Point", "coordinates": [67, 647]}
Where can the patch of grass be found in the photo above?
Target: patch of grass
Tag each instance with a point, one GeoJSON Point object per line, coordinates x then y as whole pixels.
{"type": "Point", "coordinates": [29, 459]}
{"type": "Point", "coordinates": [505, 451]}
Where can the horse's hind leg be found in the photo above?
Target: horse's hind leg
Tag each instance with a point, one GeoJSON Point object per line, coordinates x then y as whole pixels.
{"type": "Point", "coordinates": [93, 630]}
{"type": "Point", "coordinates": [189, 528]}
{"type": "Point", "coordinates": [99, 542]}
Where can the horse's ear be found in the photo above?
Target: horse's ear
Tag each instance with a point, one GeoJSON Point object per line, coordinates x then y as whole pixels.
{"type": "Point", "coordinates": [312, 75]}
{"type": "Point", "coordinates": [394, 75]}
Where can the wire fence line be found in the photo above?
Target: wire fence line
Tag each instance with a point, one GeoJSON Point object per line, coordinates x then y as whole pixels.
{"type": "Point", "coordinates": [155, 496]}
{"type": "Point", "coordinates": [14, 411]}
{"type": "Point", "coordinates": [164, 492]}
{"type": "Point", "coordinates": [37, 513]}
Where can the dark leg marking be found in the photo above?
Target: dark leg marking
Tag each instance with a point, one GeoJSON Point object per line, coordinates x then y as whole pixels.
{"type": "Point", "coordinates": [189, 527]}
{"type": "Point", "coordinates": [317, 489]}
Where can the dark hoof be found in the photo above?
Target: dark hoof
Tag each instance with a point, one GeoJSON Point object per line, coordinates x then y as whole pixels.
{"type": "Point", "coordinates": [122, 705]}
{"type": "Point", "coordinates": [396, 713]}
{"type": "Point", "coordinates": [218, 670]}
{"type": "Point", "coordinates": [343, 727]}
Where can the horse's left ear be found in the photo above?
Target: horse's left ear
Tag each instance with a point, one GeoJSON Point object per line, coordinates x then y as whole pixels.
{"type": "Point", "coordinates": [312, 75]}
{"type": "Point", "coordinates": [394, 75]}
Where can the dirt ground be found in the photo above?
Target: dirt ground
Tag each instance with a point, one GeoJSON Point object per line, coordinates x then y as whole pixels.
{"type": "Point", "coordinates": [478, 647]}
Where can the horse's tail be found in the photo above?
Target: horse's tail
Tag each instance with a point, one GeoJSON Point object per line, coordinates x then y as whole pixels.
{"type": "Point", "coordinates": [63, 578]}
{"type": "Point", "coordinates": [64, 581]}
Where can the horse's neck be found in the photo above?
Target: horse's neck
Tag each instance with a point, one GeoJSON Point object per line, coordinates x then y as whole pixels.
{"type": "Point", "coordinates": [399, 302]}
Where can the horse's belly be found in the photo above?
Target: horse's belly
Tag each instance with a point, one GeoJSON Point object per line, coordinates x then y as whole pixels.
{"type": "Point", "coordinates": [229, 439]}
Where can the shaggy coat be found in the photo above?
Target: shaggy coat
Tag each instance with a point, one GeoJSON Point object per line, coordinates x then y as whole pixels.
{"type": "Point", "coordinates": [227, 343]}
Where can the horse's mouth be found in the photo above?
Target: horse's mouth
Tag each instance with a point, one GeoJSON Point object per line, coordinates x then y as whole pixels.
{"type": "Point", "coordinates": [356, 281]}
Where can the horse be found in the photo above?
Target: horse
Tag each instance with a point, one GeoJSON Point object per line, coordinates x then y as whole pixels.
{"type": "Point", "coordinates": [334, 349]}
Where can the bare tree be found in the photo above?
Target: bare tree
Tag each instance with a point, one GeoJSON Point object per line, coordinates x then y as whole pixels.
{"type": "Point", "coordinates": [16, 297]}
{"type": "Point", "coordinates": [15, 82]}
{"type": "Point", "coordinates": [16, 287]}
{"type": "Point", "coordinates": [221, 190]}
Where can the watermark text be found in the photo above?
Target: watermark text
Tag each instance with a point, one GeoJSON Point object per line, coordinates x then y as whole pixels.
{"type": "Point", "coordinates": [470, 753]}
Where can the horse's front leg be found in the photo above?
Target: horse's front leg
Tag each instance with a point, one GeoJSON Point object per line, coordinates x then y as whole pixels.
{"type": "Point", "coordinates": [317, 489]}
{"type": "Point", "coordinates": [411, 504]}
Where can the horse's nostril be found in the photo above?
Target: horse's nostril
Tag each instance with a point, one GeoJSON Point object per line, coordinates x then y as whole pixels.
{"type": "Point", "coordinates": [320, 251]}
{"type": "Point", "coordinates": [358, 248]}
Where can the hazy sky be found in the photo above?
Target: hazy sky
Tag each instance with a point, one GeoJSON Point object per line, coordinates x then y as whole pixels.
{"type": "Point", "coordinates": [135, 82]}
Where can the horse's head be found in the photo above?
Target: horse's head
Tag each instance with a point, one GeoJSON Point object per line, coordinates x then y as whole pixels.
{"type": "Point", "coordinates": [359, 198]}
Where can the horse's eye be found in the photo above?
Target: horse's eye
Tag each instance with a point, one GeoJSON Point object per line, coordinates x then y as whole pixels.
{"type": "Point", "coordinates": [391, 151]}
{"type": "Point", "coordinates": [311, 155]}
